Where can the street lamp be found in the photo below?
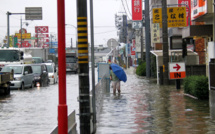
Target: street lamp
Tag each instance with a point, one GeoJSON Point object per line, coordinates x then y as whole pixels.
{"type": "Point", "coordinates": [75, 29]}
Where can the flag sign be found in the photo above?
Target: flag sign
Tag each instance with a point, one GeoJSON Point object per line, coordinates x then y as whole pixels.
{"type": "Point", "coordinates": [137, 10]}
{"type": "Point", "coordinates": [177, 70]}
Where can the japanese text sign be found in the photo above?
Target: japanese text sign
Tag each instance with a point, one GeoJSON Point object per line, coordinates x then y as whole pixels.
{"type": "Point", "coordinates": [199, 8]}
{"type": "Point", "coordinates": [188, 7]}
{"type": "Point", "coordinates": [176, 16]}
{"type": "Point", "coordinates": [155, 33]}
{"type": "Point", "coordinates": [136, 9]}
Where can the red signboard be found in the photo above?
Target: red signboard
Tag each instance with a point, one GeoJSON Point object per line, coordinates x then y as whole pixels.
{"type": "Point", "coordinates": [41, 29]}
{"type": "Point", "coordinates": [199, 8]}
{"type": "Point", "coordinates": [24, 44]}
{"type": "Point", "coordinates": [188, 9]}
{"type": "Point", "coordinates": [133, 48]}
{"type": "Point", "coordinates": [136, 9]}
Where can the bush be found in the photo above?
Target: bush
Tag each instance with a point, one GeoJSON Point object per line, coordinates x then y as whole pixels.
{"type": "Point", "coordinates": [141, 69]}
{"type": "Point", "coordinates": [196, 86]}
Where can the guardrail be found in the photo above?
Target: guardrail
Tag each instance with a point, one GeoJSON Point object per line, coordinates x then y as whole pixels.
{"type": "Point", "coordinates": [71, 125]}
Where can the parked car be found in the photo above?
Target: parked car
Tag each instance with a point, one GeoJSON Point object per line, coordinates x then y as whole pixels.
{"type": "Point", "coordinates": [52, 72]}
{"type": "Point", "coordinates": [23, 75]}
{"type": "Point", "coordinates": [40, 72]}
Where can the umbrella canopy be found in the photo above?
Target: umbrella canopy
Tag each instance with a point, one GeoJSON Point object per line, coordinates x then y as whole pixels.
{"type": "Point", "coordinates": [119, 72]}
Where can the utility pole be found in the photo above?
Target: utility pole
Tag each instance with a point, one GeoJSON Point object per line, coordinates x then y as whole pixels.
{"type": "Point", "coordinates": [141, 47]}
{"type": "Point", "coordinates": [21, 31]}
{"type": "Point", "coordinates": [93, 68]}
{"type": "Point", "coordinates": [62, 107]}
{"type": "Point", "coordinates": [8, 29]}
{"type": "Point", "coordinates": [83, 59]}
{"type": "Point", "coordinates": [165, 43]}
{"type": "Point", "coordinates": [148, 41]}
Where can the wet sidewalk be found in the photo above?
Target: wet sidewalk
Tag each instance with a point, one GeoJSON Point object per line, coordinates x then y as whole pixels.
{"type": "Point", "coordinates": [126, 113]}
{"type": "Point", "coordinates": [143, 107]}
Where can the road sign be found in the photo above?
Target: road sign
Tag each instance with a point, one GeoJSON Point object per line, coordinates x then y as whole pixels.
{"type": "Point", "coordinates": [176, 16]}
{"type": "Point", "coordinates": [112, 43]}
{"type": "Point", "coordinates": [33, 13]}
{"type": "Point", "coordinates": [177, 70]}
{"type": "Point", "coordinates": [137, 24]}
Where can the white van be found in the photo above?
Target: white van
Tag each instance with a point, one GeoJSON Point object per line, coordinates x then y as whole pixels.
{"type": "Point", "coordinates": [53, 73]}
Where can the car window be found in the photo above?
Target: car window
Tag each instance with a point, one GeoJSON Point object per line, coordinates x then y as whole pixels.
{"type": "Point", "coordinates": [30, 71]}
{"type": "Point", "coordinates": [16, 69]}
{"type": "Point", "coordinates": [44, 68]}
{"type": "Point", "coordinates": [50, 68]}
{"type": "Point", "coordinates": [25, 69]}
{"type": "Point", "coordinates": [36, 69]}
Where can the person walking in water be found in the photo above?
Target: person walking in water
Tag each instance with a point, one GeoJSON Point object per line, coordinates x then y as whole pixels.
{"type": "Point", "coordinates": [115, 81]}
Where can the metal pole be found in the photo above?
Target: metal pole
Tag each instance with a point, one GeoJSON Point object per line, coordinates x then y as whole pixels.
{"type": "Point", "coordinates": [93, 67]}
{"type": "Point", "coordinates": [165, 43]}
{"type": "Point", "coordinates": [83, 59]}
{"type": "Point", "coordinates": [148, 41]}
{"type": "Point", "coordinates": [37, 38]}
{"type": "Point", "coordinates": [214, 28]}
{"type": "Point", "coordinates": [21, 31]}
{"type": "Point", "coordinates": [8, 29]}
{"type": "Point", "coordinates": [141, 44]}
{"type": "Point", "coordinates": [62, 107]}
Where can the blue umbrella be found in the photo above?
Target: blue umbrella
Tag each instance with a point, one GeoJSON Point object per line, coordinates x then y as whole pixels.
{"type": "Point", "coordinates": [119, 72]}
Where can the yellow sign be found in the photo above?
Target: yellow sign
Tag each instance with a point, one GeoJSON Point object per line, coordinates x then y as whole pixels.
{"type": "Point", "coordinates": [24, 36]}
{"type": "Point", "coordinates": [176, 16]}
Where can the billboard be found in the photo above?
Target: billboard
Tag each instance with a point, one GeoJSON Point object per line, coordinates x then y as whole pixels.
{"type": "Point", "coordinates": [41, 29]}
{"type": "Point", "coordinates": [176, 16]}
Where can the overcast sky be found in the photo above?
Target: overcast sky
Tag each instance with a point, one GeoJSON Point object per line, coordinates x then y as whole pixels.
{"type": "Point", "coordinates": [104, 17]}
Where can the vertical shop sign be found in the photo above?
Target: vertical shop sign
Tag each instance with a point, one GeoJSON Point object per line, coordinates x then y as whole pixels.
{"type": "Point", "coordinates": [188, 9]}
{"type": "Point", "coordinates": [137, 10]}
{"type": "Point", "coordinates": [155, 33]}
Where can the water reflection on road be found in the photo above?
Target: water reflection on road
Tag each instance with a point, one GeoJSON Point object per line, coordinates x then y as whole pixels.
{"type": "Point", "coordinates": [35, 110]}
{"type": "Point", "coordinates": [144, 107]}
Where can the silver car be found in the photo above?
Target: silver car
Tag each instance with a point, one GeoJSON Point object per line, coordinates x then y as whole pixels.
{"type": "Point", "coordinates": [23, 75]}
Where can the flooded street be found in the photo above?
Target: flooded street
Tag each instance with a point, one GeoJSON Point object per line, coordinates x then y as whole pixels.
{"type": "Point", "coordinates": [145, 107]}
{"type": "Point", "coordinates": [35, 110]}
{"type": "Point", "coordinates": [142, 107]}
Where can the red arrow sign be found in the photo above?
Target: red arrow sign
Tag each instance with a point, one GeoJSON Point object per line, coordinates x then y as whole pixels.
{"type": "Point", "coordinates": [177, 67]}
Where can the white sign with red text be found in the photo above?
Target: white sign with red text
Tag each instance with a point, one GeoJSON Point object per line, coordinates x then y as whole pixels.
{"type": "Point", "coordinates": [177, 70]}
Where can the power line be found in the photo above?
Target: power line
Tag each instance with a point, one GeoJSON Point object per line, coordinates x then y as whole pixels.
{"type": "Point", "coordinates": [127, 7]}
{"type": "Point", "coordinates": [125, 10]}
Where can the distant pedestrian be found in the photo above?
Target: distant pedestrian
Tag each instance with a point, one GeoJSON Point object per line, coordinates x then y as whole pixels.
{"type": "Point", "coordinates": [115, 81]}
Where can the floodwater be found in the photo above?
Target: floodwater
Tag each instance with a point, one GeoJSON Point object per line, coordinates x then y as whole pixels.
{"type": "Point", "coordinates": [144, 107]}
{"type": "Point", "coordinates": [34, 111]}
